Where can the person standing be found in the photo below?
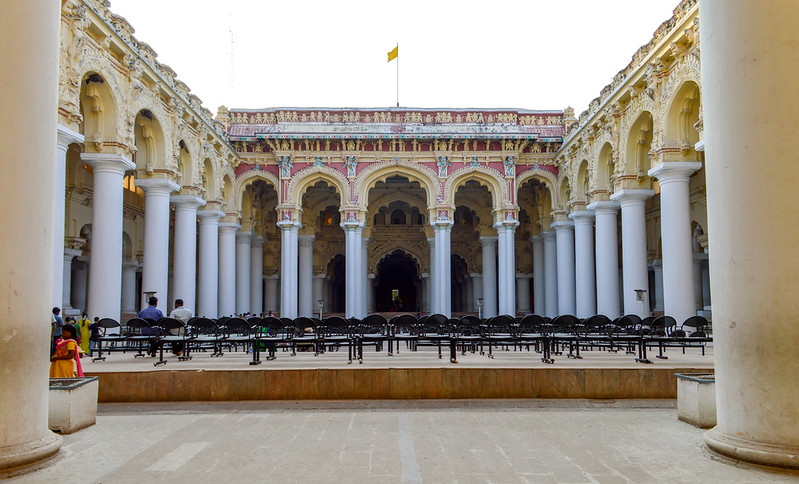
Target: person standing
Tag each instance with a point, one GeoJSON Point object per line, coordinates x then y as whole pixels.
{"type": "Point", "coordinates": [56, 323]}
{"type": "Point", "coordinates": [84, 328]}
{"type": "Point", "coordinates": [65, 362]}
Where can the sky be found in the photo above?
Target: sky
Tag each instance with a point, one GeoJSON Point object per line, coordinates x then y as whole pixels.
{"type": "Point", "coordinates": [528, 54]}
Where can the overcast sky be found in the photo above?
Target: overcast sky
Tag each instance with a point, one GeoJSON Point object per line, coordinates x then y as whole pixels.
{"type": "Point", "coordinates": [531, 54]}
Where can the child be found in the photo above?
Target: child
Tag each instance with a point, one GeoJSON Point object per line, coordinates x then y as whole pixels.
{"type": "Point", "coordinates": [65, 360]}
{"type": "Point", "coordinates": [95, 337]}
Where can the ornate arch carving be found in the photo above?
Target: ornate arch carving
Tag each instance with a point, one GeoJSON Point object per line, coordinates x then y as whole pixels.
{"type": "Point", "coordinates": [241, 182]}
{"type": "Point", "coordinates": [490, 177]}
{"type": "Point", "coordinates": [382, 249]}
{"type": "Point", "coordinates": [548, 178]}
{"type": "Point", "coordinates": [377, 171]}
{"type": "Point", "coordinates": [304, 178]}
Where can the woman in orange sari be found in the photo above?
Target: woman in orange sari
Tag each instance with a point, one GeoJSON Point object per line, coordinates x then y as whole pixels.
{"type": "Point", "coordinates": [65, 362]}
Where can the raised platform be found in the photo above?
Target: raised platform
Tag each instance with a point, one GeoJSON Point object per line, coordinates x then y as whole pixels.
{"type": "Point", "coordinates": [410, 375]}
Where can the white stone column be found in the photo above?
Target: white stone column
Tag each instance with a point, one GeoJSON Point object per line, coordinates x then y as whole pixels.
{"type": "Point", "coordinates": [507, 267]}
{"type": "Point", "coordinates": [227, 268]}
{"type": "Point", "coordinates": [306, 299]}
{"type": "Point", "coordinates": [698, 299]}
{"type": "Point", "coordinates": [426, 289]}
{"type": "Point", "coordinates": [706, 304]}
{"type": "Point", "coordinates": [105, 270]}
{"type": "Point", "coordinates": [184, 267]}
{"type": "Point", "coordinates": [633, 248]}
{"type": "Point", "coordinates": [442, 291]}
{"type": "Point", "coordinates": [539, 303]}
{"type": "Point", "coordinates": [66, 268]}
{"type": "Point", "coordinates": [270, 296]}
{"type": "Point", "coordinates": [29, 36]}
{"type": "Point", "coordinates": [749, 59]}
{"type": "Point", "coordinates": [129, 268]}
{"type": "Point", "coordinates": [477, 291]}
{"type": "Point", "coordinates": [257, 275]}
{"type": "Point", "coordinates": [607, 258]}
{"type": "Point", "coordinates": [289, 266]}
{"type": "Point", "coordinates": [243, 254]}
{"type": "Point", "coordinates": [657, 266]}
{"type": "Point", "coordinates": [352, 259]}
{"type": "Point", "coordinates": [208, 268]}
{"type": "Point", "coordinates": [80, 284]}
{"type": "Point", "coordinates": [155, 265]}
{"type": "Point", "coordinates": [489, 276]}
{"type": "Point", "coordinates": [550, 273]}
{"type": "Point", "coordinates": [370, 293]}
{"type": "Point", "coordinates": [364, 281]}
{"type": "Point", "coordinates": [564, 232]}
{"type": "Point", "coordinates": [64, 137]}
{"type": "Point", "coordinates": [318, 292]}
{"type": "Point", "coordinates": [523, 293]}
{"type": "Point", "coordinates": [676, 237]}
{"type": "Point", "coordinates": [585, 279]}
{"type": "Point", "coordinates": [432, 282]}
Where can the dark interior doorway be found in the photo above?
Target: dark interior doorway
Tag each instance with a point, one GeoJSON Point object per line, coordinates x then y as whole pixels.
{"type": "Point", "coordinates": [397, 283]}
{"type": "Point", "coordinates": [337, 272]}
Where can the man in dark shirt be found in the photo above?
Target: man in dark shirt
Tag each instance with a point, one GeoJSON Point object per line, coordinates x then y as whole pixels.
{"type": "Point", "coordinates": [56, 323]}
{"type": "Point", "coordinates": [151, 312]}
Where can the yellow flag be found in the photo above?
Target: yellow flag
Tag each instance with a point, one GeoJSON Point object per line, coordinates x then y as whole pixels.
{"type": "Point", "coordinates": [393, 54]}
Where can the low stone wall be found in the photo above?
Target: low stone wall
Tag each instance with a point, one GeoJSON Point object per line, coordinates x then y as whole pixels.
{"type": "Point", "coordinates": [389, 383]}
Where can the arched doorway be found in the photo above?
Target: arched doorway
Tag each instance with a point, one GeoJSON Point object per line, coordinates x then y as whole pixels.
{"type": "Point", "coordinates": [336, 272]}
{"type": "Point", "coordinates": [397, 283]}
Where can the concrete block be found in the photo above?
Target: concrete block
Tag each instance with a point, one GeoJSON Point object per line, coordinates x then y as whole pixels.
{"type": "Point", "coordinates": [73, 403]}
{"type": "Point", "coordinates": [696, 399]}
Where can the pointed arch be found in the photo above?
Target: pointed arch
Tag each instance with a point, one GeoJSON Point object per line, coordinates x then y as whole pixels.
{"type": "Point", "coordinates": [376, 172]}
{"type": "Point", "coordinates": [485, 176]}
{"type": "Point", "coordinates": [307, 177]}
{"type": "Point", "coordinates": [246, 179]}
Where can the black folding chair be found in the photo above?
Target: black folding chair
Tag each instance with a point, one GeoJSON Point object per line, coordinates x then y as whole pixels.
{"type": "Point", "coordinates": [116, 336]}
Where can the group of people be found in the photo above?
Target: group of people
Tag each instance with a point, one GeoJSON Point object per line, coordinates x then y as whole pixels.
{"type": "Point", "coordinates": [71, 339]}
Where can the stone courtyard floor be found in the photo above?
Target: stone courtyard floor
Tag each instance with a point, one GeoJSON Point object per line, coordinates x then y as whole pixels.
{"type": "Point", "coordinates": [436, 441]}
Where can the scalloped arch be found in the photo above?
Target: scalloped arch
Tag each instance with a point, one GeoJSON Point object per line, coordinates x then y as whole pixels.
{"type": "Point", "coordinates": [246, 178]}
{"type": "Point", "coordinates": [548, 178]}
{"type": "Point", "coordinates": [382, 250]}
{"type": "Point", "coordinates": [308, 176]}
{"type": "Point", "coordinates": [381, 170]}
{"type": "Point", "coordinates": [487, 176]}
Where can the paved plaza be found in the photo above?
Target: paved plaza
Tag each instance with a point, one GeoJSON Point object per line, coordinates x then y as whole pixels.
{"type": "Point", "coordinates": [436, 441]}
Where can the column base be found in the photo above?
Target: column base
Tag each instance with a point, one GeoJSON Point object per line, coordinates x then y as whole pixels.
{"type": "Point", "coordinates": [30, 456]}
{"type": "Point", "coordinates": [755, 452]}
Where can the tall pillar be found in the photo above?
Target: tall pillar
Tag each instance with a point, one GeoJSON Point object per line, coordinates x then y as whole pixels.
{"type": "Point", "coordinates": [28, 135]}
{"type": "Point", "coordinates": [184, 266]}
{"type": "Point", "coordinates": [676, 237]}
{"type": "Point", "coordinates": [477, 291]}
{"type": "Point", "coordinates": [585, 280]}
{"type": "Point", "coordinates": [657, 266]}
{"type": "Point", "coordinates": [318, 291]}
{"type": "Point", "coordinates": [747, 57]}
{"type": "Point", "coordinates": [431, 291]}
{"type": "Point", "coordinates": [564, 232]}
{"type": "Point", "coordinates": [306, 299]}
{"type": "Point", "coordinates": [208, 268]}
{"type": "Point", "coordinates": [155, 265]}
{"type": "Point", "coordinates": [80, 284]}
{"type": "Point", "coordinates": [243, 254]}
{"type": "Point", "coordinates": [427, 287]}
{"type": "Point", "coordinates": [539, 303]}
{"type": "Point", "coordinates": [550, 273]}
{"type": "Point", "coordinates": [366, 288]}
{"type": "Point", "coordinates": [66, 271]}
{"type": "Point", "coordinates": [523, 293]}
{"type": "Point", "coordinates": [489, 276]}
{"type": "Point", "coordinates": [257, 275]}
{"type": "Point", "coordinates": [706, 304]}
{"type": "Point", "coordinates": [129, 268]}
{"type": "Point", "coordinates": [227, 268]}
{"type": "Point", "coordinates": [289, 279]}
{"type": "Point", "coordinates": [698, 298]}
{"type": "Point", "coordinates": [352, 260]}
{"type": "Point", "coordinates": [633, 249]}
{"type": "Point", "coordinates": [607, 258]}
{"type": "Point", "coordinates": [105, 270]}
{"type": "Point", "coordinates": [64, 137]}
{"type": "Point", "coordinates": [443, 285]}
{"type": "Point", "coordinates": [507, 267]}
{"type": "Point", "coordinates": [270, 296]}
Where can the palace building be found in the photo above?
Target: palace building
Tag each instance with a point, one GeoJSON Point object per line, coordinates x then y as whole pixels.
{"type": "Point", "coordinates": [452, 211]}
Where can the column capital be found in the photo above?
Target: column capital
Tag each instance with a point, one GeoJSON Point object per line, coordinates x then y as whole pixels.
{"type": "Point", "coordinates": [66, 136]}
{"type": "Point", "coordinates": [507, 224]}
{"type": "Point", "coordinates": [548, 234]}
{"type": "Point", "coordinates": [442, 223]}
{"type": "Point", "coordinates": [537, 238]}
{"type": "Point", "coordinates": [488, 240]}
{"type": "Point", "coordinates": [306, 240]}
{"type": "Point", "coordinates": [603, 206]}
{"type": "Point", "coordinates": [229, 227]}
{"type": "Point", "coordinates": [157, 186]}
{"type": "Point", "coordinates": [209, 216]}
{"type": "Point", "coordinates": [244, 236]}
{"type": "Point", "coordinates": [108, 162]}
{"type": "Point", "coordinates": [582, 216]}
{"type": "Point", "coordinates": [520, 275]}
{"type": "Point", "coordinates": [671, 171]}
{"type": "Point", "coordinates": [130, 265]}
{"type": "Point", "coordinates": [632, 196]}
{"type": "Point", "coordinates": [562, 225]}
{"type": "Point", "coordinates": [69, 253]}
{"type": "Point", "coordinates": [257, 241]}
{"type": "Point", "coordinates": [187, 202]}
{"type": "Point", "coordinates": [288, 225]}
{"type": "Point", "coordinates": [352, 225]}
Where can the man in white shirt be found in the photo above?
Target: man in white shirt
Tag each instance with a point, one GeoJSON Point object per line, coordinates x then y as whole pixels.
{"type": "Point", "coordinates": [182, 314]}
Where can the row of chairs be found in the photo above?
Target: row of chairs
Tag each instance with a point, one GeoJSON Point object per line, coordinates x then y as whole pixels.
{"type": "Point", "coordinates": [468, 333]}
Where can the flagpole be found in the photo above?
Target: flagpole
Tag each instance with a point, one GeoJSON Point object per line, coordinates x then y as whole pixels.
{"type": "Point", "coordinates": [397, 74]}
